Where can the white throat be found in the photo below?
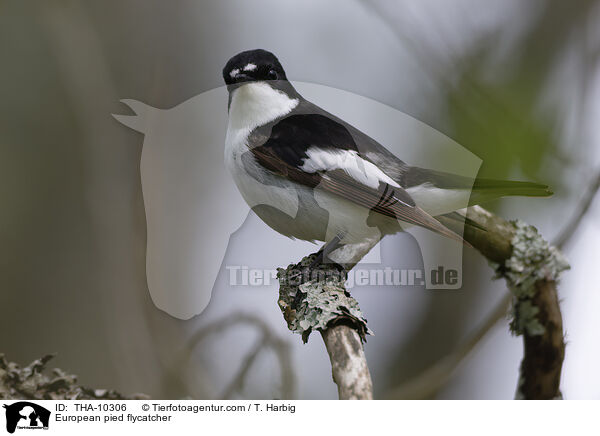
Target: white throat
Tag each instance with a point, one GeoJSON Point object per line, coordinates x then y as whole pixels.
{"type": "Point", "coordinates": [255, 104]}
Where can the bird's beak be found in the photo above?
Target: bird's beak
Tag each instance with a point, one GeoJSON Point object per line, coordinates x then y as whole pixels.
{"type": "Point", "coordinates": [243, 77]}
{"type": "Point", "coordinates": [239, 80]}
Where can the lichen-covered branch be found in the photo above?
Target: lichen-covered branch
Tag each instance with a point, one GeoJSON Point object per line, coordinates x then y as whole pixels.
{"type": "Point", "coordinates": [314, 298]}
{"type": "Point", "coordinates": [34, 382]}
{"type": "Point", "coordinates": [531, 268]}
{"type": "Point", "coordinates": [544, 353]}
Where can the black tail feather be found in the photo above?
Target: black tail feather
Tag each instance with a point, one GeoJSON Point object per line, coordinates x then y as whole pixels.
{"type": "Point", "coordinates": [508, 187]}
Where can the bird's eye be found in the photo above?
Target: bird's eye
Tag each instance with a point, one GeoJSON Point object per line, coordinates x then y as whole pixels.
{"type": "Point", "coordinates": [272, 75]}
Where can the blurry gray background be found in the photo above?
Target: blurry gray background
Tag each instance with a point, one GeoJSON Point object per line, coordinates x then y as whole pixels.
{"type": "Point", "coordinates": [514, 82]}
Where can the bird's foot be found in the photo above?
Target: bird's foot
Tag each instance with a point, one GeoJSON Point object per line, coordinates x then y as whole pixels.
{"type": "Point", "coordinates": [323, 260]}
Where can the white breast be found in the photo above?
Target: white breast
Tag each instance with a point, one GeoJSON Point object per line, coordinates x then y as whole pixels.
{"type": "Point", "coordinates": [252, 105]}
{"type": "Point", "coordinates": [255, 104]}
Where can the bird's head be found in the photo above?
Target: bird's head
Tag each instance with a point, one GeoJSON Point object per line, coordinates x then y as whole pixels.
{"type": "Point", "coordinates": [253, 66]}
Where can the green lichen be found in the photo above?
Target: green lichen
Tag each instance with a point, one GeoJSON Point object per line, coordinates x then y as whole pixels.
{"type": "Point", "coordinates": [532, 259]}
{"type": "Point", "coordinates": [36, 382]}
{"type": "Point", "coordinates": [315, 298]}
{"type": "Point", "coordinates": [525, 319]}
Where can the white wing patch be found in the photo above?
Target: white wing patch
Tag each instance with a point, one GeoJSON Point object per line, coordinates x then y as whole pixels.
{"type": "Point", "coordinates": [234, 72]}
{"type": "Point", "coordinates": [355, 166]}
{"type": "Point", "coordinates": [250, 67]}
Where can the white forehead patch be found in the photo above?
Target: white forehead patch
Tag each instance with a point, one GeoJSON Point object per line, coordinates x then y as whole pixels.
{"type": "Point", "coordinates": [234, 72]}
{"type": "Point", "coordinates": [250, 67]}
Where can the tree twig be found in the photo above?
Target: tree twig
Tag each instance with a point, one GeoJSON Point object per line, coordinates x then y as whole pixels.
{"type": "Point", "coordinates": [314, 297]}
{"type": "Point", "coordinates": [531, 268]}
{"type": "Point", "coordinates": [237, 384]}
{"type": "Point", "coordinates": [35, 382]}
{"type": "Point", "coordinates": [570, 229]}
{"type": "Point", "coordinates": [544, 354]}
{"type": "Point", "coordinates": [348, 363]}
{"type": "Point", "coordinates": [428, 382]}
{"type": "Point", "coordinates": [267, 340]}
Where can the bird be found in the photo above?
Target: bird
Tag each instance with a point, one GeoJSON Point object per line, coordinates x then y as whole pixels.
{"type": "Point", "coordinates": [312, 176]}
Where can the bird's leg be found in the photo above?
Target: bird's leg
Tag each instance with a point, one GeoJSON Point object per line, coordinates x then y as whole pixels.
{"type": "Point", "coordinates": [323, 254]}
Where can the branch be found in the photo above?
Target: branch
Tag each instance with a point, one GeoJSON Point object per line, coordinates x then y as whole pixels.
{"type": "Point", "coordinates": [238, 382]}
{"type": "Point", "coordinates": [570, 229]}
{"type": "Point", "coordinates": [544, 353]}
{"type": "Point", "coordinates": [428, 382]}
{"type": "Point", "coordinates": [32, 382]}
{"type": "Point", "coordinates": [531, 268]}
{"type": "Point", "coordinates": [348, 363]}
{"type": "Point", "coordinates": [267, 340]}
{"type": "Point", "coordinates": [315, 298]}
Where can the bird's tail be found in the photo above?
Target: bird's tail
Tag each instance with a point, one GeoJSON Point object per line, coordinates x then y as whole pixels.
{"type": "Point", "coordinates": [488, 189]}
